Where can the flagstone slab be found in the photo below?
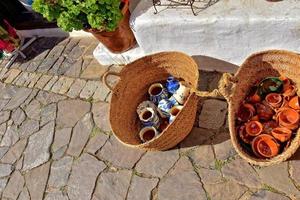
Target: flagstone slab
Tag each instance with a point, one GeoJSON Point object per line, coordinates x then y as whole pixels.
{"type": "Point", "coordinates": [36, 180]}
{"type": "Point", "coordinates": [28, 127]}
{"type": "Point", "coordinates": [277, 176]}
{"type": "Point", "coordinates": [83, 177]}
{"type": "Point", "coordinates": [112, 185]}
{"type": "Point", "coordinates": [60, 171]}
{"type": "Point", "coordinates": [240, 171]}
{"type": "Point", "coordinates": [157, 163]}
{"type": "Point", "coordinates": [141, 188]}
{"type": "Point", "coordinates": [14, 186]}
{"type": "Point", "coordinates": [18, 98]}
{"type": "Point", "coordinates": [70, 111]}
{"type": "Point", "coordinates": [213, 114]}
{"type": "Point", "coordinates": [226, 189]}
{"type": "Point", "coordinates": [80, 136]}
{"type": "Point", "coordinates": [5, 170]}
{"type": "Point", "coordinates": [38, 149]}
{"type": "Point", "coordinates": [18, 116]}
{"type": "Point", "coordinates": [118, 154]}
{"type": "Point", "coordinates": [14, 152]}
{"type": "Point", "coordinates": [101, 115]}
{"type": "Point", "coordinates": [96, 141]}
{"type": "Point", "coordinates": [181, 179]}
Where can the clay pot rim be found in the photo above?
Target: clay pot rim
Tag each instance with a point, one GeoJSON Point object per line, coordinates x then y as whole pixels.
{"type": "Point", "coordinates": [257, 123]}
{"type": "Point", "coordinates": [292, 99]}
{"type": "Point", "coordinates": [269, 141]}
{"type": "Point", "coordinates": [287, 132]}
{"type": "Point", "coordinates": [285, 124]}
{"type": "Point", "coordinates": [274, 104]}
{"type": "Point", "coordinates": [256, 141]}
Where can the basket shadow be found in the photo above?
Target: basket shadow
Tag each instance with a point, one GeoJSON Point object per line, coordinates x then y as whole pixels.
{"type": "Point", "coordinates": [210, 74]}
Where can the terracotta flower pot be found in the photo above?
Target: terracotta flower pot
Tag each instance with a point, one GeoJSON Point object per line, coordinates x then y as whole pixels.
{"type": "Point", "coordinates": [246, 112]}
{"type": "Point", "coordinates": [120, 40]}
{"type": "Point", "coordinates": [254, 128]}
{"type": "Point", "coordinates": [244, 136]}
{"type": "Point", "coordinates": [282, 134]}
{"type": "Point", "coordinates": [289, 118]}
{"type": "Point", "coordinates": [290, 91]}
{"type": "Point", "coordinates": [274, 100]}
{"type": "Point", "coordinates": [265, 146]}
{"type": "Point", "coordinates": [295, 103]}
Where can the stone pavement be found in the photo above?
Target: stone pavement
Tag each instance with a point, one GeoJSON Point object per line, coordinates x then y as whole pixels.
{"type": "Point", "coordinates": [56, 142]}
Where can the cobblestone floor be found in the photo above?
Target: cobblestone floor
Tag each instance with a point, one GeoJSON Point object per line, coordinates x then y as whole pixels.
{"type": "Point", "coordinates": [56, 142]}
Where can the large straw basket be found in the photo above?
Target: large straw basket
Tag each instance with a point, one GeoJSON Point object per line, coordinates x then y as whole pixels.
{"type": "Point", "coordinates": [235, 89]}
{"type": "Point", "coordinates": [135, 79]}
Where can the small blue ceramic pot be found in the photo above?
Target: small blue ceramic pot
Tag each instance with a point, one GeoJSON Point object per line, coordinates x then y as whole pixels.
{"type": "Point", "coordinates": [172, 85]}
{"type": "Point", "coordinates": [157, 92]}
{"type": "Point", "coordinates": [149, 117]}
{"type": "Point", "coordinates": [164, 107]}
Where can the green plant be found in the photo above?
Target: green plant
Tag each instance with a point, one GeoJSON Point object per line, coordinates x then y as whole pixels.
{"type": "Point", "coordinates": [103, 15]}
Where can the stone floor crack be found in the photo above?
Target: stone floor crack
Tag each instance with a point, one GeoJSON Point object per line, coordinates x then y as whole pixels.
{"type": "Point", "coordinates": [199, 178]}
{"type": "Point", "coordinates": [290, 176]}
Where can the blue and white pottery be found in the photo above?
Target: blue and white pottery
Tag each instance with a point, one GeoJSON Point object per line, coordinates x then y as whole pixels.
{"type": "Point", "coordinates": [157, 92]}
{"type": "Point", "coordinates": [182, 93]}
{"type": "Point", "coordinates": [164, 107]}
{"type": "Point", "coordinates": [148, 133]}
{"type": "Point", "coordinates": [173, 100]}
{"type": "Point", "coordinates": [172, 85]}
{"type": "Point", "coordinates": [174, 112]}
{"type": "Point", "coordinates": [149, 117]}
{"type": "Point", "coordinates": [145, 104]}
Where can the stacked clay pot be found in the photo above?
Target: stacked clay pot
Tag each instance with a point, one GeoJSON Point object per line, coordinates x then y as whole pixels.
{"type": "Point", "coordinates": [269, 117]}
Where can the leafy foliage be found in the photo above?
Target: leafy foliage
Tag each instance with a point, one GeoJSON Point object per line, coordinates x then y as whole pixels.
{"type": "Point", "coordinates": [103, 15]}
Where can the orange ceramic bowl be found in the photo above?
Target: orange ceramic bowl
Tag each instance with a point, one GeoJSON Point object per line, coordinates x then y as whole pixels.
{"type": "Point", "coordinates": [289, 118]}
{"type": "Point", "coordinates": [266, 146]}
{"type": "Point", "coordinates": [295, 103]}
{"type": "Point", "coordinates": [282, 134]}
{"type": "Point", "coordinates": [254, 128]}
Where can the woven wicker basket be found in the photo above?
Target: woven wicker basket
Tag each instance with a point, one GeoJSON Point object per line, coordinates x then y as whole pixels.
{"type": "Point", "coordinates": [235, 89]}
{"type": "Point", "coordinates": [135, 79]}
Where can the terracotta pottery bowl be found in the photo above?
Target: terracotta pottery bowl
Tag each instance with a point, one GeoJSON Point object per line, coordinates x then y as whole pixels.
{"type": "Point", "coordinates": [274, 100]}
{"type": "Point", "coordinates": [289, 118]}
{"type": "Point", "coordinates": [254, 128]}
{"type": "Point", "coordinates": [267, 146]}
{"type": "Point", "coordinates": [282, 134]}
{"type": "Point", "coordinates": [295, 103]}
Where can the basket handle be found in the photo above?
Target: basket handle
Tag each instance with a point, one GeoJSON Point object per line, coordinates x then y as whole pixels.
{"type": "Point", "coordinates": [226, 85]}
{"type": "Point", "coordinates": [105, 77]}
{"type": "Point", "coordinates": [204, 94]}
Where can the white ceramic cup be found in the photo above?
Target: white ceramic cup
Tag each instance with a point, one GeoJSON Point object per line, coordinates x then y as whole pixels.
{"type": "Point", "coordinates": [148, 133]}
{"type": "Point", "coordinates": [182, 93]}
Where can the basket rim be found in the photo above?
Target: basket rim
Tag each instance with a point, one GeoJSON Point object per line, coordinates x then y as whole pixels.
{"type": "Point", "coordinates": [295, 143]}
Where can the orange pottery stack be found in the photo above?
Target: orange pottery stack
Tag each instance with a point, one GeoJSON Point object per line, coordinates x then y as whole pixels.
{"type": "Point", "coordinates": [268, 118]}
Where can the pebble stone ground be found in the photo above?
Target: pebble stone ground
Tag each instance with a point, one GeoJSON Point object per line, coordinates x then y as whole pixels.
{"type": "Point", "coordinates": [56, 142]}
